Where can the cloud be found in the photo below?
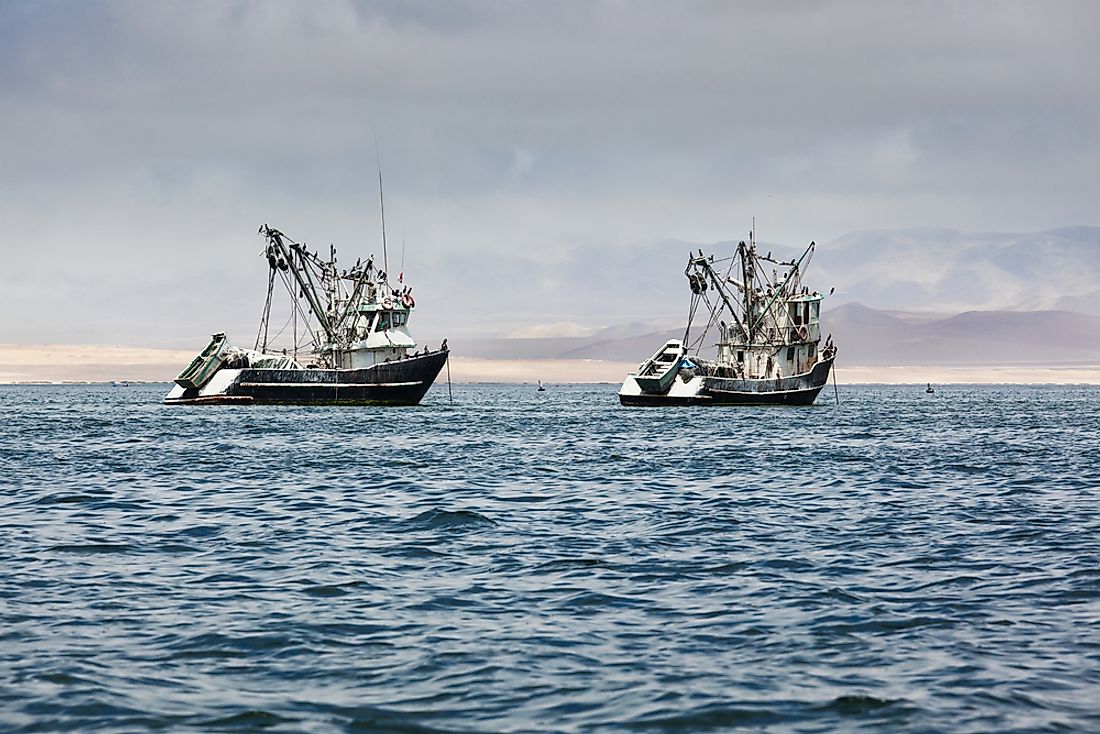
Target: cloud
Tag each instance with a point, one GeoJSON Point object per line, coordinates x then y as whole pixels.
{"type": "Point", "coordinates": [143, 143]}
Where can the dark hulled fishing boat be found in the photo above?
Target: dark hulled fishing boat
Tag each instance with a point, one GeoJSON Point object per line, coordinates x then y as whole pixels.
{"type": "Point", "coordinates": [358, 352]}
{"type": "Point", "coordinates": [768, 336]}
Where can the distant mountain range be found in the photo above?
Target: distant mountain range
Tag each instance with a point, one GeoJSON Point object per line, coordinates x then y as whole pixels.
{"type": "Point", "coordinates": [949, 271]}
{"type": "Point", "coordinates": [932, 272]}
{"type": "Point", "coordinates": [870, 337]}
{"type": "Point", "coordinates": [865, 336]}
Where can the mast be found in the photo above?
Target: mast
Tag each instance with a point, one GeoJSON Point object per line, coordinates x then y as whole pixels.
{"type": "Point", "coordinates": [382, 209]}
{"type": "Point", "coordinates": [332, 288]}
{"type": "Point", "coordinates": [748, 283]}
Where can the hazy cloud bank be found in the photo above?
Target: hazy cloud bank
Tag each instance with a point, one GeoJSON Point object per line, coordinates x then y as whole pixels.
{"type": "Point", "coordinates": [550, 154]}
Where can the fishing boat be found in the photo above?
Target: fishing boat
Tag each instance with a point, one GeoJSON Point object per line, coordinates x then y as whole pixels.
{"type": "Point", "coordinates": [766, 334]}
{"type": "Point", "coordinates": [350, 343]}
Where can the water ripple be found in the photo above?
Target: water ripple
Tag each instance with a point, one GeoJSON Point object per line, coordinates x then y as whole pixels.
{"type": "Point", "coordinates": [533, 562]}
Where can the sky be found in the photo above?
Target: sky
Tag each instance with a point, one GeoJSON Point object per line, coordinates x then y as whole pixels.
{"type": "Point", "coordinates": [142, 144]}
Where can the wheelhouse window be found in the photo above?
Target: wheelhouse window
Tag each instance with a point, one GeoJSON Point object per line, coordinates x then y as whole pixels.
{"type": "Point", "coordinates": [795, 313]}
{"type": "Point", "coordinates": [391, 319]}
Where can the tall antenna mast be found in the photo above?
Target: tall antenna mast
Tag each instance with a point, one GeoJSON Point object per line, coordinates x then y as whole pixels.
{"type": "Point", "coordinates": [382, 207]}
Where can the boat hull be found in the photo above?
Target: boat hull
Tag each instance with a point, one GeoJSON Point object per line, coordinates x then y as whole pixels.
{"type": "Point", "coordinates": [707, 390]}
{"type": "Point", "coordinates": [399, 382]}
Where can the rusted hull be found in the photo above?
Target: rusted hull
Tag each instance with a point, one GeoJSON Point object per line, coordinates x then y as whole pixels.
{"type": "Point", "coordinates": [795, 390]}
{"type": "Point", "coordinates": [401, 382]}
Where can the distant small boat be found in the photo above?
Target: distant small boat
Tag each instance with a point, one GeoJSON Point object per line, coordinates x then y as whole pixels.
{"type": "Point", "coordinates": [116, 383]}
{"type": "Point", "coordinates": [656, 373]}
{"type": "Point", "coordinates": [930, 390]}
{"type": "Point", "coordinates": [541, 388]}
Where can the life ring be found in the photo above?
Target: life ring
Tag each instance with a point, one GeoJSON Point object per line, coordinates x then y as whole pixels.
{"type": "Point", "coordinates": [407, 300]}
{"type": "Point", "coordinates": [802, 333]}
{"type": "Point", "coordinates": [387, 303]}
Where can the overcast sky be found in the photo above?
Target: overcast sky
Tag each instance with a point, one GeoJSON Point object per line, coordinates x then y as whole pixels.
{"type": "Point", "coordinates": [143, 143]}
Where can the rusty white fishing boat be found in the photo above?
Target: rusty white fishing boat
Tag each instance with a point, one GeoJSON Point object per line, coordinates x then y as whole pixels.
{"type": "Point", "coordinates": [768, 349]}
{"type": "Point", "coordinates": [354, 340]}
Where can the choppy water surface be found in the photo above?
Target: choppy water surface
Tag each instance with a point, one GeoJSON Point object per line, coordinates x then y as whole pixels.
{"type": "Point", "coordinates": [526, 561]}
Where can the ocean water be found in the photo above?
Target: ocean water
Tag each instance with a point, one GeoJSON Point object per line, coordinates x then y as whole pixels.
{"type": "Point", "coordinates": [551, 562]}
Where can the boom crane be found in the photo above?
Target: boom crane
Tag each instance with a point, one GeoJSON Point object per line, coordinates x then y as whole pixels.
{"type": "Point", "coordinates": [281, 252]}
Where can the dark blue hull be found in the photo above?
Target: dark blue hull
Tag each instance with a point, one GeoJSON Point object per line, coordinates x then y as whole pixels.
{"type": "Point", "coordinates": [795, 390]}
{"type": "Point", "coordinates": [400, 382]}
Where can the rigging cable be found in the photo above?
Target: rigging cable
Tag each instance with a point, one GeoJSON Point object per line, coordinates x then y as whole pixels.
{"type": "Point", "coordinates": [710, 323]}
{"type": "Point", "coordinates": [288, 318]}
{"type": "Point", "coordinates": [296, 306]}
{"type": "Point", "coordinates": [265, 321]}
{"type": "Point", "coordinates": [695, 298]}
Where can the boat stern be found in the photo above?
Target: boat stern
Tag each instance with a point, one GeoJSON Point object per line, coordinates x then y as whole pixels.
{"type": "Point", "coordinates": [685, 389]}
{"type": "Point", "coordinates": [218, 389]}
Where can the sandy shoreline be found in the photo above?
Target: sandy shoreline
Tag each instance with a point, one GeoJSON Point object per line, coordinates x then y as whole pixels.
{"type": "Point", "coordinates": [98, 363]}
{"type": "Point", "coordinates": [970, 375]}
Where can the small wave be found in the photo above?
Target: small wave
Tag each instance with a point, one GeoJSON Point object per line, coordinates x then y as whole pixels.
{"type": "Point", "coordinates": [720, 717]}
{"type": "Point", "coordinates": [414, 551]}
{"type": "Point", "coordinates": [201, 531]}
{"type": "Point", "coordinates": [448, 519]}
{"type": "Point", "coordinates": [245, 721]}
{"type": "Point", "coordinates": [94, 548]}
{"type": "Point", "coordinates": [568, 563]}
{"type": "Point", "coordinates": [224, 578]}
{"type": "Point", "coordinates": [374, 719]}
{"type": "Point", "coordinates": [709, 718]}
{"type": "Point", "coordinates": [326, 591]}
{"type": "Point", "coordinates": [177, 548]}
{"type": "Point", "coordinates": [63, 679]}
{"type": "Point", "coordinates": [857, 705]}
{"type": "Point", "coordinates": [66, 498]}
{"type": "Point", "coordinates": [590, 599]}
{"type": "Point", "coordinates": [214, 645]}
{"type": "Point", "coordinates": [311, 588]}
{"type": "Point", "coordinates": [881, 625]}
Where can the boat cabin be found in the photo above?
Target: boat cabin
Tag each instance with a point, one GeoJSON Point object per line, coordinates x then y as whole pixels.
{"type": "Point", "coordinates": [785, 339]}
{"type": "Point", "coordinates": [380, 334]}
